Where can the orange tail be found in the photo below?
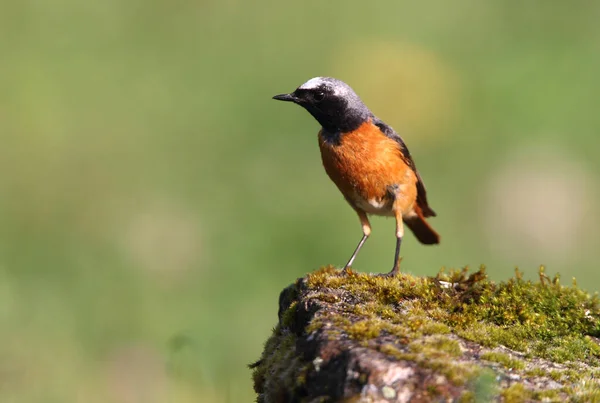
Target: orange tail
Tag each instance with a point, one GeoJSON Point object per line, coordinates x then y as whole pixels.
{"type": "Point", "coordinates": [424, 233]}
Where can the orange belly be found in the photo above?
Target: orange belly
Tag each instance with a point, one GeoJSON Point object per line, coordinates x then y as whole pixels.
{"type": "Point", "coordinates": [369, 169]}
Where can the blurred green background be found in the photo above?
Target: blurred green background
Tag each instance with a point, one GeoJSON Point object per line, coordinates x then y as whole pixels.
{"type": "Point", "coordinates": [154, 200]}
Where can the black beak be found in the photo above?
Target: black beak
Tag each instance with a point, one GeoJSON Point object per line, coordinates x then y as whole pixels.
{"type": "Point", "coordinates": [286, 97]}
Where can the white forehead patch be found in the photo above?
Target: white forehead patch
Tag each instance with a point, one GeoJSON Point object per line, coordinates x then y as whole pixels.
{"type": "Point", "coordinates": [312, 83]}
{"type": "Point", "coordinates": [338, 87]}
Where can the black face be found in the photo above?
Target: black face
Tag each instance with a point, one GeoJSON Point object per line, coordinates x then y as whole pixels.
{"type": "Point", "coordinates": [336, 113]}
{"type": "Point", "coordinates": [313, 96]}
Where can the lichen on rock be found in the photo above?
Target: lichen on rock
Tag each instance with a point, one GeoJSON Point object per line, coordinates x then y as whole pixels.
{"type": "Point", "coordinates": [456, 336]}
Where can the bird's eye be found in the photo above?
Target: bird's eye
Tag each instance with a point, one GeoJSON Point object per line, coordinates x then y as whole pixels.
{"type": "Point", "coordinates": [319, 96]}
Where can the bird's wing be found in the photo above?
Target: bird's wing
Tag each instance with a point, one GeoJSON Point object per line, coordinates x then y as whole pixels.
{"type": "Point", "coordinates": [421, 192]}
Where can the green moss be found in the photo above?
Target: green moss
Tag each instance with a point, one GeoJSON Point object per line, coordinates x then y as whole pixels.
{"type": "Point", "coordinates": [516, 393]}
{"type": "Point", "coordinates": [504, 359]}
{"type": "Point", "coordinates": [571, 347]}
{"type": "Point", "coordinates": [592, 395]}
{"type": "Point", "coordinates": [326, 297]}
{"type": "Point", "coordinates": [278, 358]}
{"type": "Point", "coordinates": [426, 315]}
{"type": "Point", "coordinates": [467, 397]}
{"type": "Point", "coordinates": [451, 347]}
{"type": "Point", "coordinates": [544, 318]}
{"type": "Point", "coordinates": [571, 375]}
{"type": "Point", "coordinates": [397, 353]}
{"type": "Point", "coordinates": [433, 346]}
{"type": "Point", "coordinates": [484, 386]}
{"type": "Point", "coordinates": [364, 329]}
{"type": "Point", "coordinates": [431, 327]}
{"type": "Point", "coordinates": [549, 395]}
{"type": "Point", "coordinates": [289, 314]}
{"type": "Point", "coordinates": [536, 372]}
{"type": "Point", "coordinates": [426, 356]}
{"type": "Point", "coordinates": [459, 373]}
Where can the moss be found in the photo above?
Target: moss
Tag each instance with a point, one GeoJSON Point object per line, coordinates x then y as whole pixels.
{"type": "Point", "coordinates": [536, 372]}
{"type": "Point", "coordinates": [431, 327]}
{"type": "Point", "coordinates": [449, 346]}
{"type": "Point", "coordinates": [516, 393]}
{"type": "Point", "coordinates": [434, 354]}
{"type": "Point", "coordinates": [436, 346]}
{"type": "Point", "coordinates": [326, 297]}
{"type": "Point", "coordinates": [543, 318]}
{"type": "Point", "coordinates": [397, 353]}
{"type": "Point", "coordinates": [289, 315]}
{"type": "Point", "coordinates": [571, 375]}
{"type": "Point", "coordinates": [571, 347]}
{"type": "Point", "coordinates": [504, 359]}
{"type": "Point", "coordinates": [427, 315]}
{"type": "Point", "coordinates": [467, 397]}
{"type": "Point", "coordinates": [458, 373]}
{"type": "Point", "coordinates": [278, 358]}
{"type": "Point", "coordinates": [551, 395]}
{"type": "Point", "coordinates": [364, 329]}
{"type": "Point", "coordinates": [484, 386]}
{"type": "Point", "coordinates": [592, 395]}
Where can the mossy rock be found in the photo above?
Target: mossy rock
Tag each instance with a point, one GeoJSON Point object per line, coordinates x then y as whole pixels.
{"type": "Point", "coordinates": [453, 337]}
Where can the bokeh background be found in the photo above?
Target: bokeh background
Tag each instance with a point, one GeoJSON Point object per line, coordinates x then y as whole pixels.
{"type": "Point", "coordinates": [154, 200]}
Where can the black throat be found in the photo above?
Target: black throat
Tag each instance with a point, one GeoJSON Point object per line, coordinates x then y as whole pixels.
{"type": "Point", "coordinates": [336, 123]}
{"type": "Point", "coordinates": [333, 138]}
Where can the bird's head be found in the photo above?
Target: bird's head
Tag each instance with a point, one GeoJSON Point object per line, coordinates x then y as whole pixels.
{"type": "Point", "coordinates": [332, 102]}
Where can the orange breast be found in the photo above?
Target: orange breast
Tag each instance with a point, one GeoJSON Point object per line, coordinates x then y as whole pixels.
{"type": "Point", "coordinates": [365, 165]}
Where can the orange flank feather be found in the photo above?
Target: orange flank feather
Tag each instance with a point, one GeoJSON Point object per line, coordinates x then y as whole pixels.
{"type": "Point", "coordinates": [375, 177]}
{"type": "Point", "coordinates": [365, 164]}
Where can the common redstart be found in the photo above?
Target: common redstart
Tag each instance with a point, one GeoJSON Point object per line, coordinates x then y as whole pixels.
{"type": "Point", "coordinates": [367, 160]}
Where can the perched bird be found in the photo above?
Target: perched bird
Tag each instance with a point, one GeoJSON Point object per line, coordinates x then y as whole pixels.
{"type": "Point", "coordinates": [367, 160]}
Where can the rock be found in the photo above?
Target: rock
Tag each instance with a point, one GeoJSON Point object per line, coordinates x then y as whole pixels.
{"type": "Point", "coordinates": [451, 338]}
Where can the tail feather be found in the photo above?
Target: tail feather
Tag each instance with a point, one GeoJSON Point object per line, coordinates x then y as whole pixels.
{"type": "Point", "coordinates": [424, 233]}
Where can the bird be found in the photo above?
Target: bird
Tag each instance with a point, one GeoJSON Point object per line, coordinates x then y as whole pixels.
{"type": "Point", "coordinates": [368, 162]}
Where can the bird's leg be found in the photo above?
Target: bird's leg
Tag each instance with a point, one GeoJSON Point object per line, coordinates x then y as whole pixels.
{"type": "Point", "coordinates": [399, 234]}
{"type": "Point", "coordinates": [366, 227]}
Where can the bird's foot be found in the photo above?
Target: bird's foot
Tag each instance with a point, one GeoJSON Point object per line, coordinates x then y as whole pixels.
{"type": "Point", "coordinates": [394, 272]}
{"type": "Point", "coordinates": [346, 271]}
